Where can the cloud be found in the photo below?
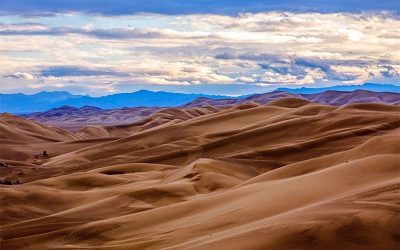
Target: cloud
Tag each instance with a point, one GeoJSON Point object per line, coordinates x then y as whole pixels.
{"type": "Point", "coordinates": [259, 49]}
{"type": "Point", "coordinates": [178, 7]}
{"type": "Point", "coordinates": [276, 78]}
{"type": "Point", "coordinates": [20, 75]}
{"type": "Point", "coordinates": [325, 68]}
{"type": "Point", "coordinates": [291, 65]}
{"type": "Point", "coordinates": [389, 71]}
{"type": "Point", "coordinates": [284, 69]}
{"type": "Point", "coordinates": [278, 58]}
{"type": "Point", "coordinates": [117, 33]}
{"type": "Point", "coordinates": [61, 71]}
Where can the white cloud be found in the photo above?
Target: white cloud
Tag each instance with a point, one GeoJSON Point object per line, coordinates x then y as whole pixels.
{"type": "Point", "coordinates": [264, 48]}
{"type": "Point", "coordinates": [20, 75]}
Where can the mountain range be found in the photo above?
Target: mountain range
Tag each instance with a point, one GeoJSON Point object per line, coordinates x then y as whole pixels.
{"type": "Point", "coordinates": [22, 103]}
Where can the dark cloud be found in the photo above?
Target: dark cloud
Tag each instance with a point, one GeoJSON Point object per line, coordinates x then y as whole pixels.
{"type": "Point", "coordinates": [252, 57]}
{"type": "Point", "coordinates": [20, 75]}
{"type": "Point", "coordinates": [98, 33]}
{"type": "Point", "coordinates": [285, 69]}
{"type": "Point", "coordinates": [225, 56]}
{"type": "Point", "coordinates": [325, 67]}
{"type": "Point", "coordinates": [389, 71]}
{"type": "Point", "coordinates": [295, 66]}
{"type": "Point", "coordinates": [60, 71]}
{"type": "Point", "coordinates": [123, 33]}
{"type": "Point", "coordinates": [174, 7]}
{"type": "Point", "coordinates": [24, 24]}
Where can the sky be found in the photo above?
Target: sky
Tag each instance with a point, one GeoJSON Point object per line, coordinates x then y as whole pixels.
{"type": "Point", "coordinates": [236, 47]}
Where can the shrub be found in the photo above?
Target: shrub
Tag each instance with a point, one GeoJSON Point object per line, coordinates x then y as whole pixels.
{"type": "Point", "coordinates": [8, 181]}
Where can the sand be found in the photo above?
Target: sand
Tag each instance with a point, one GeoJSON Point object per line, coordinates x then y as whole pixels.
{"type": "Point", "coordinates": [74, 119]}
{"type": "Point", "coordinates": [290, 174]}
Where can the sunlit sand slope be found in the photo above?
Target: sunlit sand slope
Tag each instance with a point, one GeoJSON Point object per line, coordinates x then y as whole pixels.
{"type": "Point", "coordinates": [287, 175]}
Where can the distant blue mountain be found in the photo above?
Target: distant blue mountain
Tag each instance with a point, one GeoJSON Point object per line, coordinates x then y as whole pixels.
{"type": "Point", "coordinates": [140, 98]}
{"type": "Point", "coordinates": [21, 103]}
{"type": "Point", "coordinates": [366, 86]}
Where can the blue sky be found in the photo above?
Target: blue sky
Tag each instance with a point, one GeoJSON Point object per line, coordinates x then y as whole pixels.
{"type": "Point", "coordinates": [217, 47]}
{"type": "Point", "coordinates": [178, 7]}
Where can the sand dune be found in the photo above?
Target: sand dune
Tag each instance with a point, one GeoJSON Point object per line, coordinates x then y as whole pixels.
{"type": "Point", "coordinates": [25, 140]}
{"type": "Point", "coordinates": [291, 174]}
{"type": "Point", "coordinates": [164, 116]}
{"type": "Point", "coordinates": [18, 129]}
{"type": "Point", "coordinates": [74, 119]}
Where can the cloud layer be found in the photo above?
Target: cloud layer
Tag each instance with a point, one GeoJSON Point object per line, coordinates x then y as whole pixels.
{"type": "Point", "coordinates": [100, 54]}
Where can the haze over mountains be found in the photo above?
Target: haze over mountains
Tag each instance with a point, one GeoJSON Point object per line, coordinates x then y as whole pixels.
{"type": "Point", "coordinates": [21, 103]}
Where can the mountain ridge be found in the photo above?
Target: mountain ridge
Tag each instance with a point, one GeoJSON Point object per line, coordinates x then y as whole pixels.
{"type": "Point", "coordinates": [42, 101]}
{"type": "Point", "coordinates": [21, 103]}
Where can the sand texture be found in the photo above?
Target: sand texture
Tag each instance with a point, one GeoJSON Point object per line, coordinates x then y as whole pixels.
{"type": "Point", "coordinates": [74, 119]}
{"type": "Point", "coordinates": [290, 174]}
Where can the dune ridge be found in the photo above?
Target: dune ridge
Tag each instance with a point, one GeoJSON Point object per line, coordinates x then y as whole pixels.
{"type": "Point", "coordinates": [291, 174]}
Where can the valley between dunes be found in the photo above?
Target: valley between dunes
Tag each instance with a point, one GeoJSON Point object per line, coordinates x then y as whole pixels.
{"type": "Point", "coordinates": [290, 174]}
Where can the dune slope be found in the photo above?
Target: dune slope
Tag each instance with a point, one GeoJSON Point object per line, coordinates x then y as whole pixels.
{"type": "Point", "coordinates": [291, 174]}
